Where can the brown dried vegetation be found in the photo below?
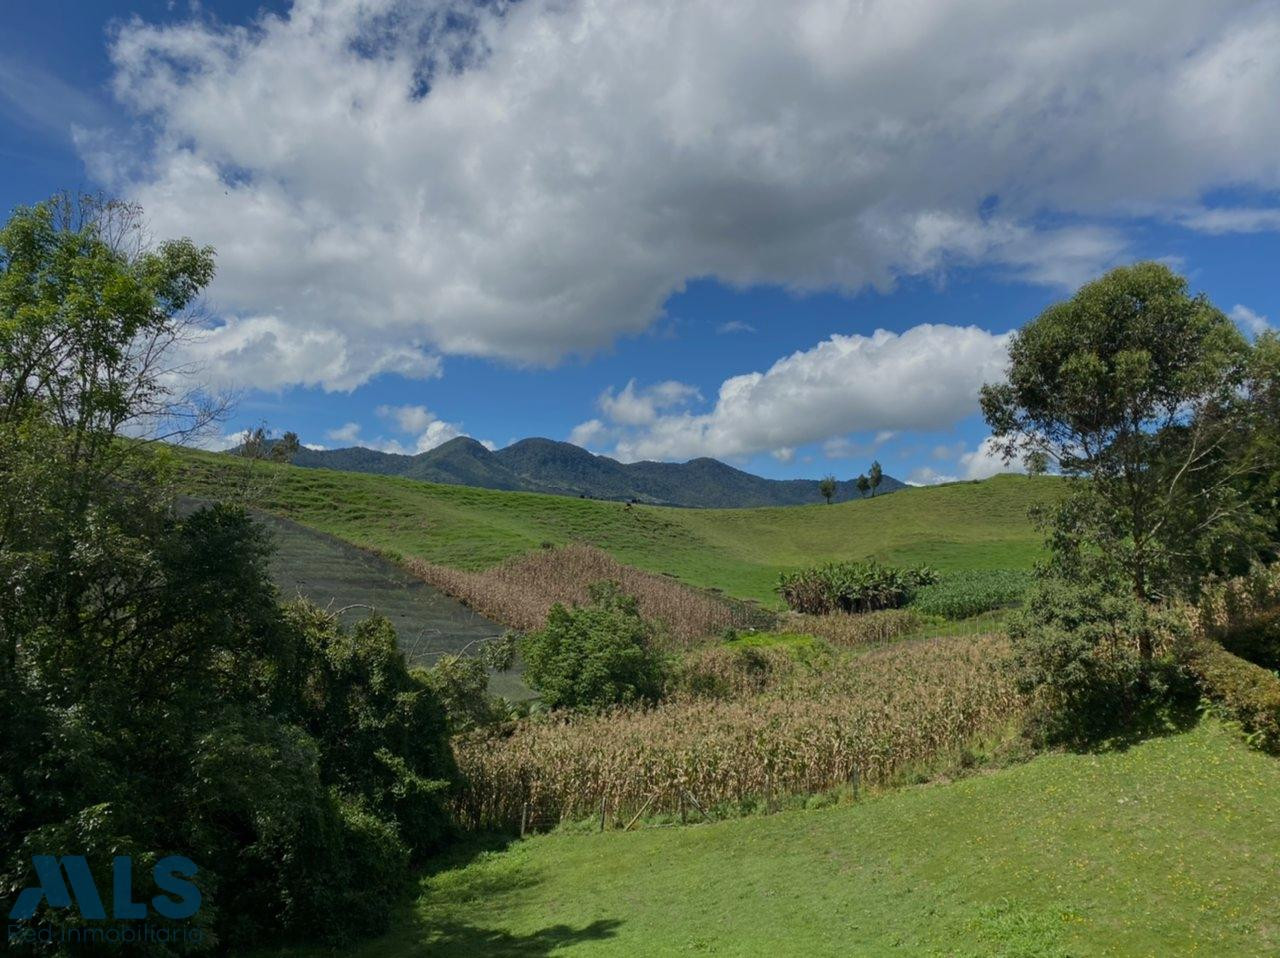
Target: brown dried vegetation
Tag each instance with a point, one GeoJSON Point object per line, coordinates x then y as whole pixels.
{"type": "Point", "coordinates": [519, 592]}
{"type": "Point", "coordinates": [804, 730]}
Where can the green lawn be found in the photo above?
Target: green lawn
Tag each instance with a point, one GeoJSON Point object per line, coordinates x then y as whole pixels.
{"type": "Point", "coordinates": [1169, 848]}
{"type": "Point", "coordinates": [961, 526]}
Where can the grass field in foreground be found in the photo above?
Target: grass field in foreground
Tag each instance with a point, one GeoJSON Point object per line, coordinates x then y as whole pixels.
{"type": "Point", "coordinates": [1171, 847]}
{"type": "Point", "coordinates": [980, 525]}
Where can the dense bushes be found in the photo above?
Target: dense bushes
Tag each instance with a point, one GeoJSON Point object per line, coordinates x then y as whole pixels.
{"type": "Point", "coordinates": [594, 655]}
{"type": "Point", "coordinates": [1078, 649]}
{"type": "Point", "coordinates": [1244, 615]}
{"type": "Point", "coordinates": [851, 587]}
{"type": "Point", "coordinates": [959, 595]}
{"type": "Point", "coordinates": [1249, 693]}
{"type": "Point", "coordinates": [300, 766]}
{"type": "Point", "coordinates": [155, 698]}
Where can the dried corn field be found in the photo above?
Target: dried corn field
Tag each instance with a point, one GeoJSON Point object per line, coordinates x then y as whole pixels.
{"type": "Point", "coordinates": [853, 631]}
{"type": "Point", "coordinates": [519, 592]}
{"type": "Point", "coordinates": [878, 713]}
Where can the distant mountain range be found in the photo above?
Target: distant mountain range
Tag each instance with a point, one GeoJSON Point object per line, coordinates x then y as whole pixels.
{"type": "Point", "coordinates": [544, 465]}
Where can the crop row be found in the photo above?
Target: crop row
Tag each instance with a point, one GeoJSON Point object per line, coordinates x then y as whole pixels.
{"type": "Point", "coordinates": [870, 715]}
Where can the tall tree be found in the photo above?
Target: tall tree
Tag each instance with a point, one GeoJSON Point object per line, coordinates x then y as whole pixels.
{"type": "Point", "coordinates": [1137, 386]}
{"type": "Point", "coordinates": [875, 477]}
{"type": "Point", "coordinates": [863, 484]}
{"type": "Point", "coordinates": [827, 486]}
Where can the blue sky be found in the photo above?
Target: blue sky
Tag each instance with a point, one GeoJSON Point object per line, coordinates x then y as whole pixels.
{"type": "Point", "coordinates": [661, 232]}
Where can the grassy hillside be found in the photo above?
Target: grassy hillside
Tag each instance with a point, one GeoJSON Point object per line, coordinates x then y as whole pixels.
{"type": "Point", "coordinates": [1171, 847]}
{"type": "Point", "coordinates": [741, 551]}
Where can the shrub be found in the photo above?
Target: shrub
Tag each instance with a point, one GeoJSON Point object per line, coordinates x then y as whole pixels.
{"type": "Point", "coordinates": [959, 595]}
{"type": "Point", "coordinates": [1249, 693]}
{"type": "Point", "coordinates": [851, 587]}
{"type": "Point", "coordinates": [1244, 615]}
{"type": "Point", "coordinates": [1078, 653]}
{"type": "Point", "coordinates": [381, 731]}
{"type": "Point", "coordinates": [595, 655]}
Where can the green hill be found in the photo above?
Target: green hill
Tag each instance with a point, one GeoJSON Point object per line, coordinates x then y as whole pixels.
{"type": "Point", "coordinates": [561, 468]}
{"type": "Point", "coordinates": [1170, 847]}
{"type": "Point", "coordinates": [740, 551]}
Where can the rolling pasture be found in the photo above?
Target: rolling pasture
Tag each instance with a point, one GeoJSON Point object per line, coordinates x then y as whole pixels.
{"type": "Point", "coordinates": [972, 525]}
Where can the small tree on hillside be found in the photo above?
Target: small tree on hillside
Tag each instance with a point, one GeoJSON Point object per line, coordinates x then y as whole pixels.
{"type": "Point", "coordinates": [827, 486]}
{"type": "Point", "coordinates": [863, 484]}
{"type": "Point", "coordinates": [594, 656]}
{"type": "Point", "coordinates": [875, 477]}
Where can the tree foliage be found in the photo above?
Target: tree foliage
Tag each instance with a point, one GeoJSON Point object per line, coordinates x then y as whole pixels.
{"type": "Point", "coordinates": [1144, 390]}
{"type": "Point", "coordinates": [874, 477]}
{"type": "Point", "coordinates": [827, 487]}
{"type": "Point", "coordinates": [155, 697]}
{"type": "Point", "coordinates": [595, 655]}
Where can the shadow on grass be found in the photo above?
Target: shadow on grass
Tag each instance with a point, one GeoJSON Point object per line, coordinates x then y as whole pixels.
{"type": "Point", "coordinates": [457, 938]}
{"type": "Point", "coordinates": [1170, 718]}
{"type": "Point", "coordinates": [430, 925]}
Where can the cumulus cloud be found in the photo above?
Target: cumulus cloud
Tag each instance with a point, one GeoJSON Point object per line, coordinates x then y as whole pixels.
{"type": "Point", "coordinates": [219, 442]}
{"type": "Point", "coordinates": [928, 476]}
{"type": "Point", "coordinates": [347, 432]}
{"type": "Point", "coordinates": [924, 378]}
{"type": "Point", "coordinates": [640, 407]}
{"type": "Point", "coordinates": [591, 434]}
{"type": "Point", "coordinates": [389, 181]}
{"type": "Point", "coordinates": [986, 461]}
{"type": "Point", "coordinates": [1248, 320]}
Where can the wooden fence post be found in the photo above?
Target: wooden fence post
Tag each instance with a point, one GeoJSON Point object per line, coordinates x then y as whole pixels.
{"type": "Point", "coordinates": [602, 800]}
{"type": "Point", "coordinates": [524, 817]}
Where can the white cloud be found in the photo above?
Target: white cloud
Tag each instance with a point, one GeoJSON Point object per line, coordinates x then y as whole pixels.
{"type": "Point", "coordinates": [347, 432]}
{"type": "Point", "coordinates": [387, 180]}
{"type": "Point", "coordinates": [1248, 320]}
{"type": "Point", "coordinates": [735, 326]}
{"type": "Point", "coordinates": [986, 461]}
{"type": "Point", "coordinates": [220, 442]}
{"type": "Point", "coordinates": [268, 352]}
{"type": "Point", "coordinates": [1219, 220]}
{"type": "Point", "coordinates": [408, 418]}
{"type": "Point", "coordinates": [431, 431]}
{"type": "Point", "coordinates": [639, 407]}
{"type": "Point", "coordinates": [924, 378]}
{"type": "Point", "coordinates": [591, 433]}
{"type": "Point", "coordinates": [783, 454]}
{"type": "Point", "coordinates": [928, 476]}
{"type": "Point", "coordinates": [846, 447]}
{"type": "Point", "coordinates": [427, 430]}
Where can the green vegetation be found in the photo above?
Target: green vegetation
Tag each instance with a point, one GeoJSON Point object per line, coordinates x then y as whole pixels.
{"type": "Point", "coordinates": [765, 640]}
{"type": "Point", "coordinates": [1064, 855]}
{"type": "Point", "coordinates": [965, 593]}
{"type": "Point", "coordinates": [851, 587]}
{"type": "Point", "coordinates": [594, 656]}
{"type": "Point", "coordinates": [740, 551]}
{"type": "Point", "coordinates": [155, 697]}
